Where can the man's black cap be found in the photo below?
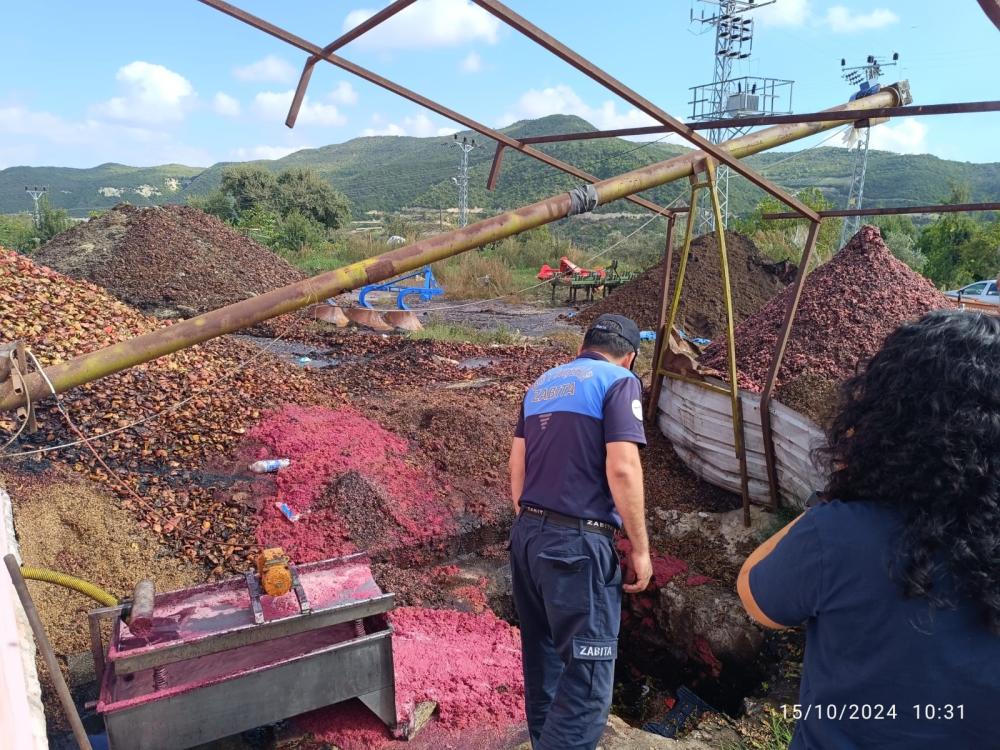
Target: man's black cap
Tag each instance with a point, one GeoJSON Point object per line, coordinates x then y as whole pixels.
{"type": "Point", "coordinates": [620, 325]}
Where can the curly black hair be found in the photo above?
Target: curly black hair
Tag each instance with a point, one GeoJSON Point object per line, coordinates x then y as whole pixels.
{"type": "Point", "coordinates": [918, 429]}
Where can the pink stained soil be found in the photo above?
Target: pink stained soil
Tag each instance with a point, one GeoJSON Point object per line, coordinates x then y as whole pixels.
{"type": "Point", "coordinates": [665, 567]}
{"type": "Point", "coordinates": [469, 664]}
{"type": "Point", "coordinates": [698, 580]}
{"type": "Point", "coordinates": [323, 445]}
{"type": "Point", "coordinates": [703, 652]}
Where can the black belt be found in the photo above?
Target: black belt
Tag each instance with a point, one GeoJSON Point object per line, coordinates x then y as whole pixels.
{"type": "Point", "coordinates": [584, 524]}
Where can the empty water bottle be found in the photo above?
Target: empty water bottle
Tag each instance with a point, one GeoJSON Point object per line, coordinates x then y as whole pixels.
{"type": "Point", "coordinates": [268, 465]}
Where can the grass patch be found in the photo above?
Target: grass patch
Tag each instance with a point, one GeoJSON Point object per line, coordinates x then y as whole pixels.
{"type": "Point", "coordinates": [455, 332]}
{"type": "Point", "coordinates": [771, 732]}
{"type": "Point", "coordinates": [475, 275]}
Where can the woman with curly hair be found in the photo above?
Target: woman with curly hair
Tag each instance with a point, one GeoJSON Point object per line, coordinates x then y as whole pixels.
{"type": "Point", "coordinates": [897, 575]}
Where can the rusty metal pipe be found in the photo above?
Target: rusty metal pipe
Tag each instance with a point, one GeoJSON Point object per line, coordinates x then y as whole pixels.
{"type": "Point", "coordinates": [140, 619]}
{"type": "Point", "coordinates": [301, 294]}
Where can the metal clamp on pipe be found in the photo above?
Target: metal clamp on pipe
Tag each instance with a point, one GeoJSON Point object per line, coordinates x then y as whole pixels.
{"type": "Point", "coordinates": [582, 200]}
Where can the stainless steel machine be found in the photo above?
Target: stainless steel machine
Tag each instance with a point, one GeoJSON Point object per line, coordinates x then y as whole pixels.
{"type": "Point", "coordinates": [225, 657]}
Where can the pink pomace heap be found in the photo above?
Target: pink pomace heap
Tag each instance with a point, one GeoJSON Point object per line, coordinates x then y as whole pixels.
{"type": "Point", "coordinates": [849, 305]}
{"type": "Point", "coordinates": [324, 445]}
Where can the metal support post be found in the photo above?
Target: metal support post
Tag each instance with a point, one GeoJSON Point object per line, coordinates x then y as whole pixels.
{"type": "Point", "coordinates": [661, 322]}
{"type": "Point", "coordinates": [733, 391]}
{"type": "Point", "coordinates": [779, 354]}
{"type": "Point", "coordinates": [51, 662]}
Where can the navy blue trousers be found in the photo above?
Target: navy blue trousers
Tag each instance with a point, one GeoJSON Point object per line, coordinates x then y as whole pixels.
{"type": "Point", "coordinates": [568, 596]}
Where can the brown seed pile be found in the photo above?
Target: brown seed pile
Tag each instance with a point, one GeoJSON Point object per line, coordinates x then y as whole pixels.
{"type": "Point", "coordinates": [754, 281]}
{"type": "Point", "coordinates": [849, 305]}
{"type": "Point", "coordinates": [59, 318]}
{"type": "Point", "coordinates": [170, 261]}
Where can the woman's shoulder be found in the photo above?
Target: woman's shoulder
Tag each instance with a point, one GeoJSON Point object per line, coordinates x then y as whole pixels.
{"type": "Point", "coordinates": [857, 520]}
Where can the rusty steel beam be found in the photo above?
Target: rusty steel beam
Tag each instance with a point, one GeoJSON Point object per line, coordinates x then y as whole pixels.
{"type": "Point", "coordinates": [586, 67]}
{"type": "Point", "coordinates": [913, 110]}
{"type": "Point", "coordinates": [362, 28]}
{"type": "Point", "coordinates": [295, 296]}
{"type": "Point", "coordinates": [662, 334]}
{"type": "Point", "coordinates": [491, 181]}
{"type": "Point", "coordinates": [297, 41]}
{"type": "Point", "coordinates": [992, 9]}
{"type": "Point", "coordinates": [945, 208]}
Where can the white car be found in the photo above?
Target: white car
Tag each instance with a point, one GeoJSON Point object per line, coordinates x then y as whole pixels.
{"type": "Point", "coordinates": [982, 291]}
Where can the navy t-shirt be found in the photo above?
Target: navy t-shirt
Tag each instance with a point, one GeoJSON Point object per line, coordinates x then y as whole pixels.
{"type": "Point", "coordinates": [569, 415]}
{"type": "Point", "coordinates": [867, 646]}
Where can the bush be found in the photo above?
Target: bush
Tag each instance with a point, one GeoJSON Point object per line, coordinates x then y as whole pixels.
{"type": "Point", "coordinates": [17, 232]}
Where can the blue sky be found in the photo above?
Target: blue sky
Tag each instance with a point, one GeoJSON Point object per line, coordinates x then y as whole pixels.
{"type": "Point", "coordinates": [147, 83]}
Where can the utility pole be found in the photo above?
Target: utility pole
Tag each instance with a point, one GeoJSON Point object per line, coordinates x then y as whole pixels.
{"type": "Point", "coordinates": [865, 77]}
{"type": "Point", "coordinates": [729, 95]}
{"type": "Point", "coordinates": [465, 145]}
{"type": "Point", "coordinates": [36, 193]}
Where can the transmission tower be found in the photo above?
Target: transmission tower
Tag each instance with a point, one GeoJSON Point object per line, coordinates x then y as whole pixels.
{"type": "Point", "coordinates": [36, 193]}
{"type": "Point", "coordinates": [865, 77]}
{"type": "Point", "coordinates": [729, 95]}
{"type": "Point", "coordinates": [465, 145]}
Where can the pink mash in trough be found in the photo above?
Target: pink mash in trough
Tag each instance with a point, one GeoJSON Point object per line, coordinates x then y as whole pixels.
{"type": "Point", "coordinates": [469, 664]}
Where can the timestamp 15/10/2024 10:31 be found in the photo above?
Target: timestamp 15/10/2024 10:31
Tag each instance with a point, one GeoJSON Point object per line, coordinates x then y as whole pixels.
{"type": "Point", "coordinates": [871, 711]}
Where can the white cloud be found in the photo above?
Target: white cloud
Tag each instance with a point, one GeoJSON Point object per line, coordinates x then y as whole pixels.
{"type": "Point", "coordinates": [428, 23]}
{"type": "Point", "coordinates": [908, 136]}
{"type": "Point", "coordinates": [418, 126]}
{"type": "Point", "coordinates": [471, 63]}
{"type": "Point", "coordinates": [251, 153]}
{"type": "Point", "coordinates": [273, 105]}
{"type": "Point", "coordinates": [783, 13]}
{"type": "Point", "coordinates": [344, 93]}
{"type": "Point", "coordinates": [226, 105]}
{"type": "Point", "coordinates": [563, 100]}
{"type": "Point", "coordinates": [268, 69]}
{"type": "Point", "coordinates": [36, 137]}
{"type": "Point", "coordinates": [151, 94]}
{"type": "Point", "coordinates": [842, 20]}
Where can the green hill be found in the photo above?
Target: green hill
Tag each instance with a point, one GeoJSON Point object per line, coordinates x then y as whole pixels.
{"type": "Point", "coordinates": [387, 173]}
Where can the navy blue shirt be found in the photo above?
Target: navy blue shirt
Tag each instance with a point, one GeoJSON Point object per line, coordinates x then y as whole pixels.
{"type": "Point", "coordinates": [568, 417]}
{"type": "Point", "coordinates": [867, 645]}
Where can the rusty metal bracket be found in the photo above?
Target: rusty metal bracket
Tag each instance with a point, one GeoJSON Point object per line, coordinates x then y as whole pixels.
{"type": "Point", "coordinates": [586, 67]}
{"type": "Point", "coordinates": [13, 371]}
{"type": "Point", "coordinates": [947, 208]}
{"type": "Point", "coordinates": [362, 28]}
{"type": "Point", "coordinates": [316, 51]}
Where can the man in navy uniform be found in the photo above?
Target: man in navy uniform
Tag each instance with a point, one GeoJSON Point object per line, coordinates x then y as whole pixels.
{"type": "Point", "coordinates": [575, 481]}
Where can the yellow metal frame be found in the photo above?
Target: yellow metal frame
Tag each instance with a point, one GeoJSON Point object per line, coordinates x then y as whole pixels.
{"type": "Point", "coordinates": [709, 183]}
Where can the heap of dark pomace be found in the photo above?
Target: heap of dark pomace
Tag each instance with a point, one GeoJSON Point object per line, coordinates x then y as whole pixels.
{"type": "Point", "coordinates": [169, 261]}
{"type": "Point", "coordinates": [849, 305]}
{"type": "Point", "coordinates": [755, 280]}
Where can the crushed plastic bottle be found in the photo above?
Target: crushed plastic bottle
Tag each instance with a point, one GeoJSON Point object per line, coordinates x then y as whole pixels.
{"type": "Point", "coordinates": [287, 512]}
{"type": "Point", "coordinates": [270, 465]}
